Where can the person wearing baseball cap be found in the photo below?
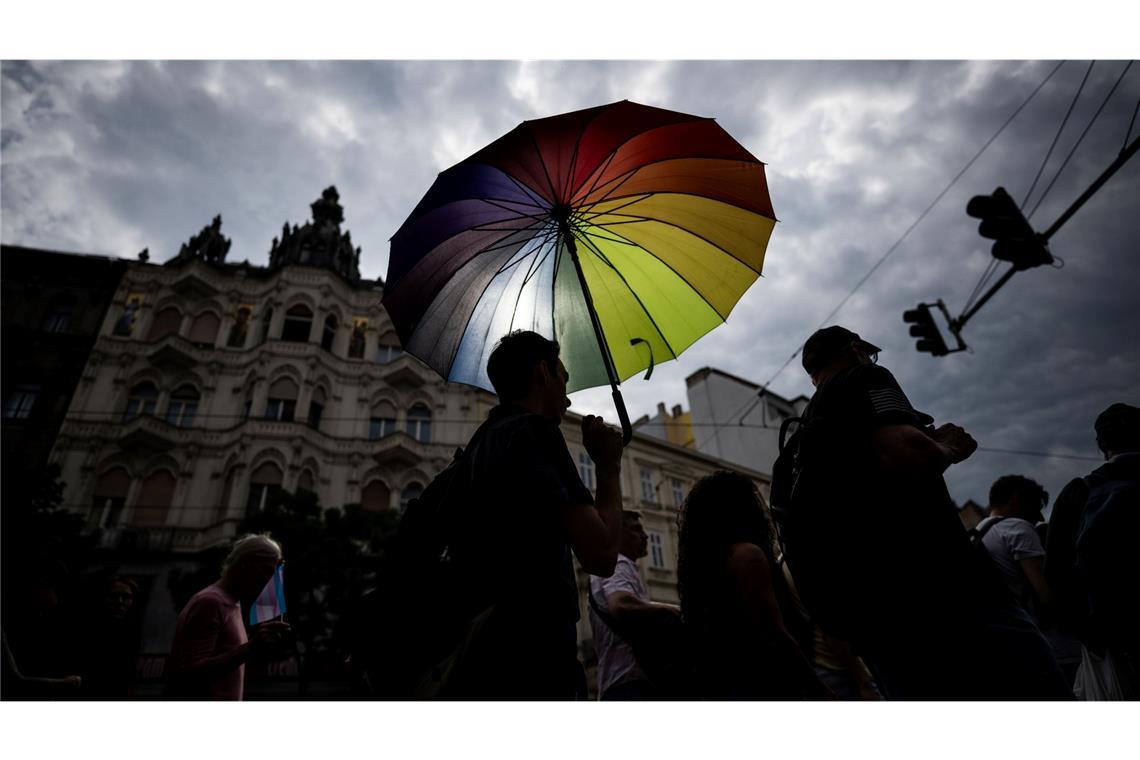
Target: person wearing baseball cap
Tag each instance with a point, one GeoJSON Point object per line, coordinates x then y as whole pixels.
{"type": "Point", "coordinates": [878, 552]}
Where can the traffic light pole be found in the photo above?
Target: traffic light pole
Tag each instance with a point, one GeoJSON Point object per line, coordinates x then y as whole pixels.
{"type": "Point", "coordinates": [957, 324]}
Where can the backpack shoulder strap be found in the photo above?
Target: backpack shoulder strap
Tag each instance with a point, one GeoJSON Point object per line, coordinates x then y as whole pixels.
{"type": "Point", "coordinates": [979, 533]}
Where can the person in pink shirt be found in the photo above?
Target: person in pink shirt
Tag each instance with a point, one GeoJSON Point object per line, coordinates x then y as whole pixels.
{"type": "Point", "coordinates": [207, 659]}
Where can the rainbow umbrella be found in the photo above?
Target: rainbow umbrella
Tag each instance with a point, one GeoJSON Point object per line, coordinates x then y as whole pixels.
{"type": "Point", "coordinates": [624, 232]}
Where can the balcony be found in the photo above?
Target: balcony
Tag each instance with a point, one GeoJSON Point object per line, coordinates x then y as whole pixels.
{"type": "Point", "coordinates": [401, 450]}
{"type": "Point", "coordinates": [167, 539]}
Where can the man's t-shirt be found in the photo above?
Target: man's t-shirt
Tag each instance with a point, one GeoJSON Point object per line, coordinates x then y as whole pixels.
{"type": "Point", "coordinates": [891, 544]}
{"type": "Point", "coordinates": [1008, 541]}
{"type": "Point", "coordinates": [524, 477]}
{"type": "Point", "coordinates": [209, 625]}
{"type": "Point", "coordinates": [616, 663]}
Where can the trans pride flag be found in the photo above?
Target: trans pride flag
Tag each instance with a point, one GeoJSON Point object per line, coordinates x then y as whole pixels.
{"type": "Point", "coordinates": [270, 603]}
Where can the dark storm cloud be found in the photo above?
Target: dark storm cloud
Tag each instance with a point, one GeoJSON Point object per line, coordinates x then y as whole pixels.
{"type": "Point", "coordinates": [114, 157]}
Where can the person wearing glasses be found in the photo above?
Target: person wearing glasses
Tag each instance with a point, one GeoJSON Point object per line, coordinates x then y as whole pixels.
{"type": "Point", "coordinates": [878, 552]}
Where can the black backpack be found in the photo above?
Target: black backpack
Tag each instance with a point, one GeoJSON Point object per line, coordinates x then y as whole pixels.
{"type": "Point", "coordinates": [424, 602]}
{"type": "Point", "coordinates": [814, 524]}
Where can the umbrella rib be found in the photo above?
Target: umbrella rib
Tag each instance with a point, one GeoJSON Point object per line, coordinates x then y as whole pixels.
{"type": "Point", "coordinates": [669, 266]}
{"type": "Point", "coordinates": [613, 153]}
{"type": "Point", "coordinates": [526, 189]}
{"type": "Point", "coordinates": [609, 194]}
{"type": "Point", "coordinates": [632, 292]}
{"type": "Point", "coordinates": [536, 264]}
{"type": "Point", "coordinates": [545, 171]}
{"type": "Point", "coordinates": [521, 215]}
{"type": "Point", "coordinates": [683, 229]}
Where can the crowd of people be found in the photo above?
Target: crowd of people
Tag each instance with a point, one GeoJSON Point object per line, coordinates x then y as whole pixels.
{"type": "Point", "coordinates": [858, 581]}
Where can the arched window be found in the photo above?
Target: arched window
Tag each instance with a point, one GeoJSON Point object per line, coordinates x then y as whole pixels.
{"type": "Point", "coordinates": [154, 499]}
{"type": "Point", "coordinates": [317, 408]}
{"type": "Point", "coordinates": [58, 317]}
{"type": "Point", "coordinates": [411, 491]}
{"type": "Point", "coordinates": [328, 334]}
{"type": "Point", "coordinates": [264, 488]}
{"type": "Point", "coordinates": [166, 322]}
{"type": "Point", "coordinates": [266, 323]}
{"type": "Point", "coordinates": [282, 403]}
{"type": "Point", "coordinates": [389, 348]}
{"type": "Point", "coordinates": [306, 482]}
{"type": "Point", "coordinates": [382, 422]}
{"type": "Point", "coordinates": [109, 498]}
{"type": "Point", "coordinates": [298, 324]}
{"type": "Point", "coordinates": [183, 406]}
{"type": "Point", "coordinates": [141, 400]}
{"type": "Point", "coordinates": [375, 497]}
{"type": "Point", "coordinates": [240, 328]}
{"type": "Point", "coordinates": [204, 329]}
{"type": "Point", "coordinates": [419, 423]}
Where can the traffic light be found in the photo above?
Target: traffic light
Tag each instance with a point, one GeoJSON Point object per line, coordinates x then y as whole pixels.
{"type": "Point", "coordinates": [1013, 236]}
{"type": "Point", "coordinates": [924, 328]}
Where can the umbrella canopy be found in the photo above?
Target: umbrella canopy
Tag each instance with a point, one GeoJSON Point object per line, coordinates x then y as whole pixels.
{"type": "Point", "coordinates": [624, 232]}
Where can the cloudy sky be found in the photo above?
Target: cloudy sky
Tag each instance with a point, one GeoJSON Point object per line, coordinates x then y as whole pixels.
{"type": "Point", "coordinates": [111, 158]}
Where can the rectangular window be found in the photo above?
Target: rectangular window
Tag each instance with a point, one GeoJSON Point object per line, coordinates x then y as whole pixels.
{"type": "Point", "coordinates": [648, 493]}
{"type": "Point", "coordinates": [380, 427]}
{"type": "Point", "coordinates": [586, 470]}
{"type": "Point", "coordinates": [656, 550]}
{"type": "Point", "coordinates": [107, 510]}
{"type": "Point", "coordinates": [58, 320]}
{"type": "Point", "coordinates": [181, 413]}
{"type": "Point", "coordinates": [315, 412]}
{"type": "Point", "coordinates": [678, 492]}
{"type": "Point", "coordinates": [281, 410]}
{"type": "Point", "coordinates": [19, 404]}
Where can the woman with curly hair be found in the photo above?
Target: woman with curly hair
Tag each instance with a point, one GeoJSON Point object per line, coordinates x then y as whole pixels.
{"type": "Point", "coordinates": [742, 622]}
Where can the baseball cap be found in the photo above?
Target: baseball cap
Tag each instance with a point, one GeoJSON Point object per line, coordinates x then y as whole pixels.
{"type": "Point", "coordinates": [825, 343]}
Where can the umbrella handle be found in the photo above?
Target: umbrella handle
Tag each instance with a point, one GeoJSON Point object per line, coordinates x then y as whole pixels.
{"type": "Point", "coordinates": [623, 415]}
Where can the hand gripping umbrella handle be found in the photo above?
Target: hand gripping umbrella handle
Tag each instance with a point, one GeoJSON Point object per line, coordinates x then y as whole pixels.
{"type": "Point", "coordinates": [623, 415]}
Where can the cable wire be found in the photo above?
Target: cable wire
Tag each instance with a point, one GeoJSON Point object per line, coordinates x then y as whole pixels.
{"type": "Point", "coordinates": [1056, 137]}
{"type": "Point", "coordinates": [1080, 140]}
{"type": "Point", "coordinates": [1130, 125]}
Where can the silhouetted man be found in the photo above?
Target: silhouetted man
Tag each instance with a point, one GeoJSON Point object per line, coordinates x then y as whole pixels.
{"type": "Point", "coordinates": [1091, 560]}
{"type": "Point", "coordinates": [877, 549]}
{"type": "Point", "coordinates": [623, 600]}
{"type": "Point", "coordinates": [534, 509]}
{"type": "Point", "coordinates": [207, 659]}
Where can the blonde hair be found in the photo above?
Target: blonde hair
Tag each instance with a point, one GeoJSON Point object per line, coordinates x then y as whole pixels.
{"type": "Point", "coordinates": [251, 545]}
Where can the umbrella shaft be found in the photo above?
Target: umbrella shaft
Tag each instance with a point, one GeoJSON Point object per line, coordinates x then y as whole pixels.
{"type": "Point", "coordinates": [573, 246]}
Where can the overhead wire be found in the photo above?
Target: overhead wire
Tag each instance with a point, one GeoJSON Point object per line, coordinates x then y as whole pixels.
{"type": "Point", "coordinates": [993, 264]}
{"type": "Point", "coordinates": [1056, 137]}
{"type": "Point", "coordinates": [1080, 139]}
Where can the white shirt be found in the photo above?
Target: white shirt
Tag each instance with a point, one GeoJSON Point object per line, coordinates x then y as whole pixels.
{"type": "Point", "coordinates": [616, 663]}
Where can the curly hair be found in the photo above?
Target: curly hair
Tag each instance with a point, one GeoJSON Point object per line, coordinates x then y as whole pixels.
{"type": "Point", "coordinates": [722, 509]}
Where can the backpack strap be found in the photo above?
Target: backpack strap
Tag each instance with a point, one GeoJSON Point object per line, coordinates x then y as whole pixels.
{"type": "Point", "coordinates": [978, 535]}
{"type": "Point", "coordinates": [787, 423]}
